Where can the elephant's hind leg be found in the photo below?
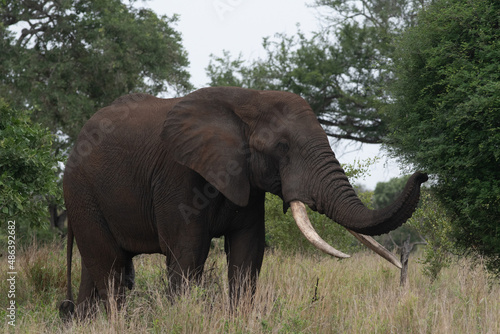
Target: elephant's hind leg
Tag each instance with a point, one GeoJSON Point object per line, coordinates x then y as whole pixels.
{"type": "Point", "coordinates": [111, 274]}
{"type": "Point", "coordinates": [107, 270]}
{"type": "Point", "coordinates": [89, 296]}
{"type": "Point", "coordinates": [87, 301]}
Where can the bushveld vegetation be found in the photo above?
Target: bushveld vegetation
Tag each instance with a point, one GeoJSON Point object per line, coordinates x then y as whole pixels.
{"type": "Point", "coordinates": [420, 76]}
{"type": "Point", "coordinates": [297, 293]}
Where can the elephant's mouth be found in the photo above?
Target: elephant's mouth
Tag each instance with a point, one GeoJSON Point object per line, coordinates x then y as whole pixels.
{"type": "Point", "coordinates": [300, 215]}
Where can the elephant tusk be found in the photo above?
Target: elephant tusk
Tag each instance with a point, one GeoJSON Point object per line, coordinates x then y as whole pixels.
{"type": "Point", "coordinates": [300, 215]}
{"type": "Point", "coordinates": [377, 248]}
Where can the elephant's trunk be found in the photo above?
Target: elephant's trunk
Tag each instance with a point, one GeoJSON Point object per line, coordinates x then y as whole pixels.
{"type": "Point", "coordinates": [348, 210]}
{"type": "Point", "coordinates": [328, 191]}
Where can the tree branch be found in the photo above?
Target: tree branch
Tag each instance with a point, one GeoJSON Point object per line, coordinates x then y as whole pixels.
{"type": "Point", "coordinates": [29, 33]}
{"type": "Point", "coordinates": [365, 139]}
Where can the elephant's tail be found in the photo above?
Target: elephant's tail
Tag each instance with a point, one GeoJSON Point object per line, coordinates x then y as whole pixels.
{"type": "Point", "coordinates": [67, 307]}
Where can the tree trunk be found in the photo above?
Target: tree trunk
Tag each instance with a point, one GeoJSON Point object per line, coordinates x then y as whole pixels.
{"type": "Point", "coordinates": [57, 220]}
{"type": "Point", "coordinates": [405, 254]}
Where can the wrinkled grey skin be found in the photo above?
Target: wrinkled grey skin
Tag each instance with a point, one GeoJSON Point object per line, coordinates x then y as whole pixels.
{"type": "Point", "coordinates": [151, 175]}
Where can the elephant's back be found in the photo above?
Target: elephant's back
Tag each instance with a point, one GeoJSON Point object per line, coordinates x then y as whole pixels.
{"type": "Point", "coordinates": [133, 118]}
{"type": "Point", "coordinates": [118, 134]}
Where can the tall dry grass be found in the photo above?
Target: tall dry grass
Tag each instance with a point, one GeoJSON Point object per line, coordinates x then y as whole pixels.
{"type": "Point", "coordinates": [296, 294]}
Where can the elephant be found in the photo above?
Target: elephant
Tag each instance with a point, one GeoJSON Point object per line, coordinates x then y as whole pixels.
{"type": "Point", "coordinates": [151, 175]}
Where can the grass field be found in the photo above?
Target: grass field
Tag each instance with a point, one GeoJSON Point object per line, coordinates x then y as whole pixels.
{"type": "Point", "coordinates": [296, 294]}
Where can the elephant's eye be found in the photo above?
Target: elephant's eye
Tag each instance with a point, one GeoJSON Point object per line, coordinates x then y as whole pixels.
{"type": "Point", "coordinates": [282, 147]}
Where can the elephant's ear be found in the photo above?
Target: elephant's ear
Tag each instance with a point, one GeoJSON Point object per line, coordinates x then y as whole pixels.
{"type": "Point", "coordinates": [207, 137]}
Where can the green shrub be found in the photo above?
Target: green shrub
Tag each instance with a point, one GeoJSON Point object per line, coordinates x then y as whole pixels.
{"type": "Point", "coordinates": [28, 170]}
{"type": "Point", "coordinates": [432, 222]}
{"type": "Point", "coordinates": [446, 116]}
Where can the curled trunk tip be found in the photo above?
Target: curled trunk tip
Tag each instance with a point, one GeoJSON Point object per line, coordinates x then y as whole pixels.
{"type": "Point", "coordinates": [353, 215]}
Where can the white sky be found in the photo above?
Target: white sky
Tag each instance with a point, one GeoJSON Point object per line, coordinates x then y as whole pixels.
{"type": "Point", "coordinates": [211, 26]}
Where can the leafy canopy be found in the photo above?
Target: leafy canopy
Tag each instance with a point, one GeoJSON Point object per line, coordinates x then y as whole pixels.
{"type": "Point", "coordinates": [446, 119]}
{"type": "Point", "coordinates": [342, 70]}
{"type": "Point", "coordinates": [27, 174]}
{"type": "Point", "coordinates": [66, 59]}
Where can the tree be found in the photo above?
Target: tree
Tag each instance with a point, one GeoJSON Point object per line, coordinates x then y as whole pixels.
{"type": "Point", "coordinates": [446, 119]}
{"type": "Point", "coordinates": [342, 71]}
{"type": "Point", "coordinates": [386, 192]}
{"type": "Point", "coordinates": [27, 168]}
{"type": "Point", "coordinates": [63, 60]}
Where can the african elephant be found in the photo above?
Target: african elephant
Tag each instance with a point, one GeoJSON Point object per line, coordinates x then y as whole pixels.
{"type": "Point", "coordinates": [151, 175]}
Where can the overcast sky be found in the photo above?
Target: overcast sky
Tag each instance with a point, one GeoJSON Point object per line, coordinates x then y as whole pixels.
{"type": "Point", "coordinates": [211, 26]}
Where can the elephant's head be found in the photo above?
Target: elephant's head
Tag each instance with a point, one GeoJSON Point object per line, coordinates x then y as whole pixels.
{"type": "Point", "coordinates": [240, 139]}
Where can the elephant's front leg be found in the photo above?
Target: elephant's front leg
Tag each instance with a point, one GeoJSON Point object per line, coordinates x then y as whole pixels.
{"type": "Point", "coordinates": [186, 256]}
{"type": "Point", "coordinates": [245, 250]}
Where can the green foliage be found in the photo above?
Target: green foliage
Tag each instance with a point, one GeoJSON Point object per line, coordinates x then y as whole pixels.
{"type": "Point", "coordinates": [432, 222]}
{"type": "Point", "coordinates": [28, 168]}
{"type": "Point", "coordinates": [342, 71]}
{"type": "Point", "coordinates": [386, 192]}
{"type": "Point", "coordinates": [447, 116]}
{"type": "Point", "coordinates": [282, 231]}
{"type": "Point", "coordinates": [76, 56]}
{"type": "Point", "coordinates": [63, 60]}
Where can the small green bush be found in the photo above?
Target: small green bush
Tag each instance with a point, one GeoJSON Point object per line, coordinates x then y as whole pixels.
{"type": "Point", "coordinates": [28, 170]}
